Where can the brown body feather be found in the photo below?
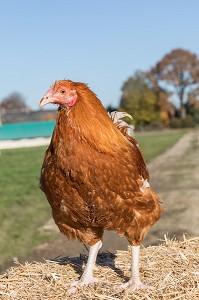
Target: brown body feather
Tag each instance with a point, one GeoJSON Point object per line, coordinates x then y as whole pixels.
{"type": "Point", "coordinates": [94, 175]}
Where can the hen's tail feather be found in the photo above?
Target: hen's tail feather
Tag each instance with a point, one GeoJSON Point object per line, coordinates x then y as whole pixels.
{"type": "Point", "coordinates": [124, 127]}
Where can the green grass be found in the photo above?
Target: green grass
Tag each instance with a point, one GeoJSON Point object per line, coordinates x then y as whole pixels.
{"type": "Point", "coordinates": [23, 207]}
{"type": "Point", "coordinates": [153, 144]}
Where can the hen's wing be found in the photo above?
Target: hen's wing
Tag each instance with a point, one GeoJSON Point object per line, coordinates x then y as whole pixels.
{"type": "Point", "coordinates": [128, 130]}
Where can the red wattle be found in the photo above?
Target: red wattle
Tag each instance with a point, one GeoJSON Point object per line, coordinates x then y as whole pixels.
{"type": "Point", "coordinates": [72, 101]}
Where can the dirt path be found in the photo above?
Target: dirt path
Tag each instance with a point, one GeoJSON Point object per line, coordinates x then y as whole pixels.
{"type": "Point", "coordinates": [175, 177]}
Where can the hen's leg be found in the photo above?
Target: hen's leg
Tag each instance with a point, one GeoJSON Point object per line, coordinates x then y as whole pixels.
{"type": "Point", "coordinates": [135, 283]}
{"type": "Point", "coordinates": [87, 276]}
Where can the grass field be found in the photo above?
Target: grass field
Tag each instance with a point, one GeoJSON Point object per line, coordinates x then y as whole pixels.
{"type": "Point", "coordinates": [153, 144]}
{"type": "Point", "coordinates": [23, 208]}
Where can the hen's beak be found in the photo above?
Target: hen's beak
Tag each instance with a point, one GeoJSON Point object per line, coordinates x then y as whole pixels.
{"type": "Point", "coordinates": [46, 100]}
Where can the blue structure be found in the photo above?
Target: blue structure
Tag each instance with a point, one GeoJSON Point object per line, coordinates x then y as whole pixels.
{"type": "Point", "coordinates": [14, 131]}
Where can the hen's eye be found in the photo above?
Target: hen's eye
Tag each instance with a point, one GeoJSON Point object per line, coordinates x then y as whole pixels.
{"type": "Point", "coordinates": [62, 91]}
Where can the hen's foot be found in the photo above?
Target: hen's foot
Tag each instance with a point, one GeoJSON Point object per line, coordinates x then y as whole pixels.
{"type": "Point", "coordinates": [136, 286]}
{"type": "Point", "coordinates": [87, 281]}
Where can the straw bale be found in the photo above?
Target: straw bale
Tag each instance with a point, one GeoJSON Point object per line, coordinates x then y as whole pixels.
{"type": "Point", "coordinates": [172, 268]}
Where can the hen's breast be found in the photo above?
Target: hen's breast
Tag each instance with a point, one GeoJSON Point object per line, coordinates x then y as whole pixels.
{"type": "Point", "coordinates": [89, 185]}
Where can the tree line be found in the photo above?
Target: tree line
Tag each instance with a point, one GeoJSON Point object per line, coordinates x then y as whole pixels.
{"type": "Point", "coordinates": [14, 102]}
{"type": "Point", "coordinates": [165, 95]}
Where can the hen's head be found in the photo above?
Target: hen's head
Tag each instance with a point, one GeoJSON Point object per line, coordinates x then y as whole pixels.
{"type": "Point", "coordinates": [86, 114]}
{"type": "Point", "coordinates": [62, 92]}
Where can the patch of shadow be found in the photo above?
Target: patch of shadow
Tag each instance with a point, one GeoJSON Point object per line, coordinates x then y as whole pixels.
{"type": "Point", "coordinates": [104, 259]}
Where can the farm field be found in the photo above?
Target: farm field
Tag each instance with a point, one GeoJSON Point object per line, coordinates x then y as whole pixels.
{"type": "Point", "coordinates": [23, 208]}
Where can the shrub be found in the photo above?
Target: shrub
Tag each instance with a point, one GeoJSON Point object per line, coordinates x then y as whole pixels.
{"type": "Point", "coordinates": [187, 122]}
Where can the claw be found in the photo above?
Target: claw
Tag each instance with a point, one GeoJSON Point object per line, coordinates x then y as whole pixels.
{"type": "Point", "coordinates": [73, 289]}
{"type": "Point", "coordinates": [136, 286]}
{"type": "Point", "coordinates": [89, 282]}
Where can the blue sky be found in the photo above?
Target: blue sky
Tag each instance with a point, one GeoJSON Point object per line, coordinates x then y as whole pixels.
{"type": "Point", "coordinates": [99, 42]}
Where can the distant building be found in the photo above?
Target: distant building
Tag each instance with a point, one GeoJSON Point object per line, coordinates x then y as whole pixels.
{"type": "Point", "coordinates": [13, 116]}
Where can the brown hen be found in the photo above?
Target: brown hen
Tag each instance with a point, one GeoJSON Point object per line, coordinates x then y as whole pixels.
{"type": "Point", "coordinates": [94, 177]}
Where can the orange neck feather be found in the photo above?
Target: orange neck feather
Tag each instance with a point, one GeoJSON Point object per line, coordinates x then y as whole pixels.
{"type": "Point", "coordinates": [88, 121]}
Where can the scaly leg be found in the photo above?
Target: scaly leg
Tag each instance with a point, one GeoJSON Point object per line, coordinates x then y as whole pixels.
{"type": "Point", "coordinates": [135, 283]}
{"type": "Point", "coordinates": [87, 276]}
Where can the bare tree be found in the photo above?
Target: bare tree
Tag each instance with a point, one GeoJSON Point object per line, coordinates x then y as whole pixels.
{"type": "Point", "coordinates": [178, 74]}
{"type": "Point", "coordinates": [14, 102]}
